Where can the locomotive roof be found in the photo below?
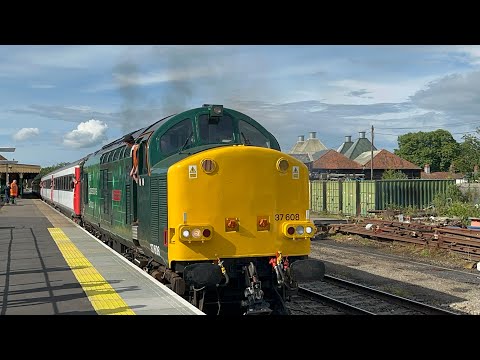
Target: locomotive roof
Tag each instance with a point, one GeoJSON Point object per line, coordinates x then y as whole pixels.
{"type": "Point", "coordinates": [154, 126]}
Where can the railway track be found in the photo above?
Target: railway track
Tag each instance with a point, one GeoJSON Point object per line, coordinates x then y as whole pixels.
{"type": "Point", "coordinates": [471, 274]}
{"type": "Point", "coordinates": [335, 296]}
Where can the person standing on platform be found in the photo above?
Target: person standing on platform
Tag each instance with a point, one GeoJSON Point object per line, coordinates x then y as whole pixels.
{"type": "Point", "coordinates": [7, 193]}
{"type": "Point", "coordinates": [13, 191]}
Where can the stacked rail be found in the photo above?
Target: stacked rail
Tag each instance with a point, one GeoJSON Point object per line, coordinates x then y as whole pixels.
{"type": "Point", "coordinates": [463, 242]}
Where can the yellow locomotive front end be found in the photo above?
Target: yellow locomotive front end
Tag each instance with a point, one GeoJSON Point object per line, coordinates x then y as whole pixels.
{"type": "Point", "coordinates": [238, 221]}
{"type": "Point", "coordinates": [238, 201]}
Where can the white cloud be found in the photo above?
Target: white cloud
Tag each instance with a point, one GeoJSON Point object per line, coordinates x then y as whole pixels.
{"type": "Point", "coordinates": [89, 133]}
{"type": "Point", "coordinates": [26, 133]}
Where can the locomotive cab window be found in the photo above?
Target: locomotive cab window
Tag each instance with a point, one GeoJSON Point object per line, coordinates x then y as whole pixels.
{"type": "Point", "coordinates": [215, 130]}
{"type": "Point", "coordinates": [250, 135]}
{"type": "Point", "coordinates": [177, 137]}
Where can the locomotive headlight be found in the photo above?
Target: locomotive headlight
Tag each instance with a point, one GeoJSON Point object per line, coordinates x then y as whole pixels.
{"type": "Point", "coordinates": [298, 230]}
{"type": "Point", "coordinates": [216, 110]}
{"type": "Point", "coordinates": [282, 165]}
{"type": "Point", "coordinates": [196, 233]}
{"type": "Point", "coordinates": [209, 165]}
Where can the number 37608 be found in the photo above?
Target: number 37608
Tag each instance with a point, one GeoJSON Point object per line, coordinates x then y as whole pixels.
{"type": "Point", "coordinates": [279, 217]}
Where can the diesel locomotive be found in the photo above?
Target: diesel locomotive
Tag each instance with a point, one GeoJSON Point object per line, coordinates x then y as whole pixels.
{"type": "Point", "coordinates": [218, 213]}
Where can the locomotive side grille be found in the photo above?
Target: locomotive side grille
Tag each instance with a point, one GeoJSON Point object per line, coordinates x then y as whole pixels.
{"type": "Point", "coordinates": [154, 196]}
{"type": "Point", "coordinates": [128, 199]}
{"type": "Point", "coordinates": [162, 187]}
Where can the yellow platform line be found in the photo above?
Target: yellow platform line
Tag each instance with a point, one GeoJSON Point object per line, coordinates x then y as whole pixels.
{"type": "Point", "coordinates": [101, 294]}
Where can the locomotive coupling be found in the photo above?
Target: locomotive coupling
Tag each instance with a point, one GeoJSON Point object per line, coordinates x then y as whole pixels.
{"type": "Point", "coordinates": [224, 272]}
{"type": "Point", "coordinates": [254, 294]}
{"type": "Point", "coordinates": [279, 264]}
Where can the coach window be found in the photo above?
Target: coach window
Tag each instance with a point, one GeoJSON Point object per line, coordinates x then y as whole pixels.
{"type": "Point", "coordinates": [216, 130]}
{"type": "Point", "coordinates": [250, 135]}
{"type": "Point", "coordinates": [176, 137]}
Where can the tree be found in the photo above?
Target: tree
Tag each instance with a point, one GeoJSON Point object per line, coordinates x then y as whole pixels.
{"type": "Point", "coordinates": [469, 154]}
{"type": "Point", "coordinates": [48, 169]}
{"type": "Point", "coordinates": [392, 174]}
{"type": "Point", "coordinates": [437, 148]}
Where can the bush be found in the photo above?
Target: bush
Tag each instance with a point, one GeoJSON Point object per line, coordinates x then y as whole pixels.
{"type": "Point", "coordinates": [391, 174]}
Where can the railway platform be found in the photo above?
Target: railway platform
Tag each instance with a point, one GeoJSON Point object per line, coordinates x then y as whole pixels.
{"type": "Point", "coordinates": [49, 265]}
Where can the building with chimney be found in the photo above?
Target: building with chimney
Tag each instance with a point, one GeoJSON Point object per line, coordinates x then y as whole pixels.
{"type": "Point", "coordinates": [346, 145]}
{"type": "Point", "coordinates": [305, 150]}
{"type": "Point", "coordinates": [309, 146]}
{"type": "Point", "coordinates": [298, 147]}
{"type": "Point", "coordinates": [442, 175]}
{"type": "Point", "coordinates": [360, 145]}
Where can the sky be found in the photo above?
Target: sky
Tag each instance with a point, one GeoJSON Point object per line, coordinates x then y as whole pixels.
{"type": "Point", "coordinates": [59, 103]}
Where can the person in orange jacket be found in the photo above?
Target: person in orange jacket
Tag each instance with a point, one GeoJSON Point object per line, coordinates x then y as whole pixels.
{"type": "Point", "coordinates": [13, 191]}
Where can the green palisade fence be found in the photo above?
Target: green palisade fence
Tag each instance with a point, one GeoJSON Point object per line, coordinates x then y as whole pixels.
{"type": "Point", "coordinates": [317, 197]}
{"type": "Point", "coordinates": [349, 197]}
{"type": "Point", "coordinates": [358, 197]}
{"type": "Point", "coordinates": [404, 193]}
{"type": "Point", "coordinates": [333, 196]}
{"type": "Point", "coordinates": [367, 196]}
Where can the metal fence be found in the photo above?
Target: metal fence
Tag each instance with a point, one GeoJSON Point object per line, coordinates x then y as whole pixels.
{"type": "Point", "coordinates": [358, 197]}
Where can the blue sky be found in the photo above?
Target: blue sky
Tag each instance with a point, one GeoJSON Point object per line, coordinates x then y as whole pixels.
{"type": "Point", "coordinates": [59, 103]}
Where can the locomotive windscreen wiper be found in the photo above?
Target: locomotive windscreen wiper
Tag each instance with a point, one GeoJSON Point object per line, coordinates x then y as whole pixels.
{"type": "Point", "coordinates": [245, 140]}
{"type": "Point", "coordinates": [186, 142]}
